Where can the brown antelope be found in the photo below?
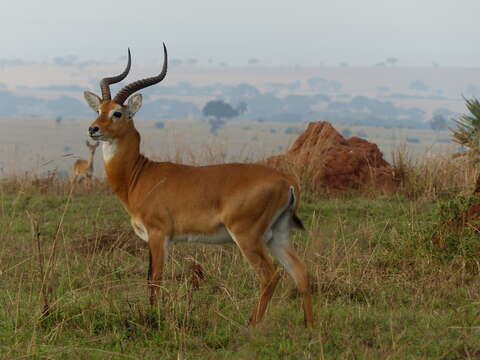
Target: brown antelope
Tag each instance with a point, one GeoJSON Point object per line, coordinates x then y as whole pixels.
{"type": "Point", "coordinates": [250, 205]}
{"type": "Point", "coordinates": [83, 169]}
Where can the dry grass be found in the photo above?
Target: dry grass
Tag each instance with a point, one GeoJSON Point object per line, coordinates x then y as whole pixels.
{"type": "Point", "coordinates": [433, 176]}
{"type": "Point", "coordinates": [73, 280]}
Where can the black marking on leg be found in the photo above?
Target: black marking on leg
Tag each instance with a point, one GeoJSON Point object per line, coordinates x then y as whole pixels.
{"type": "Point", "coordinates": [149, 275]}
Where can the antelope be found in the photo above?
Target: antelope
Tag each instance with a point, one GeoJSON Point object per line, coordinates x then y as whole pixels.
{"type": "Point", "coordinates": [83, 169]}
{"type": "Point", "coordinates": [250, 205]}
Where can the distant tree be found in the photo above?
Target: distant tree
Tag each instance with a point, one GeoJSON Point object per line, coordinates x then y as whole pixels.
{"type": "Point", "coordinates": [219, 109]}
{"type": "Point", "coordinates": [391, 60]}
{"type": "Point", "coordinates": [362, 134]}
{"type": "Point", "coordinates": [320, 84]}
{"type": "Point", "coordinates": [184, 87]}
{"type": "Point", "coordinates": [299, 104]}
{"type": "Point", "coordinates": [413, 140]}
{"type": "Point", "coordinates": [346, 133]}
{"type": "Point", "coordinates": [294, 85]}
{"type": "Point", "coordinates": [343, 64]}
{"type": "Point", "coordinates": [215, 125]}
{"type": "Point", "coordinates": [438, 122]}
{"type": "Point", "coordinates": [192, 61]}
{"type": "Point", "coordinates": [58, 120]}
{"type": "Point", "coordinates": [66, 105]}
{"type": "Point", "coordinates": [273, 131]}
{"type": "Point", "coordinates": [165, 108]}
{"type": "Point", "coordinates": [447, 113]}
{"type": "Point", "coordinates": [292, 130]}
{"type": "Point", "coordinates": [159, 125]}
{"type": "Point", "coordinates": [242, 90]}
{"type": "Point", "coordinates": [264, 105]}
{"type": "Point", "coordinates": [175, 62]}
{"type": "Point", "coordinates": [242, 108]}
{"type": "Point", "coordinates": [253, 61]}
{"type": "Point", "coordinates": [418, 85]}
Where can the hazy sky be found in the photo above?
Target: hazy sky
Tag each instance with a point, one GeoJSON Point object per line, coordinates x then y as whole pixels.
{"type": "Point", "coordinates": [359, 32]}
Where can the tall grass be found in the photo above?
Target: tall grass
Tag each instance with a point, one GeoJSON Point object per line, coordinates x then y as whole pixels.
{"type": "Point", "coordinates": [382, 288]}
{"type": "Point", "coordinates": [433, 176]}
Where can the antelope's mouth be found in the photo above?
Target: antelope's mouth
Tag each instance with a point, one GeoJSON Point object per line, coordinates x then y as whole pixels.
{"type": "Point", "coordinates": [98, 137]}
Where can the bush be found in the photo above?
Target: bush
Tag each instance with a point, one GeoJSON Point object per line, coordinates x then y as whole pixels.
{"type": "Point", "coordinates": [159, 125]}
{"type": "Point", "coordinates": [458, 231]}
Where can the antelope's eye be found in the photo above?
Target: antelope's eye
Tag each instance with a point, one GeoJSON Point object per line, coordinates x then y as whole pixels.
{"type": "Point", "coordinates": [117, 114]}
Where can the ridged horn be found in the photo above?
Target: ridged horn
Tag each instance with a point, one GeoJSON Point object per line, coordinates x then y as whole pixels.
{"type": "Point", "coordinates": [106, 82]}
{"type": "Point", "coordinates": [128, 90]}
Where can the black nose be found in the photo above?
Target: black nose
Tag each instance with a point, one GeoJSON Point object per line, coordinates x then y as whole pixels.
{"type": "Point", "coordinates": [93, 130]}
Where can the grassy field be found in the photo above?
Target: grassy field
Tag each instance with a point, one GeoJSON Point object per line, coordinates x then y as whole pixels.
{"type": "Point", "coordinates": [382, 288]}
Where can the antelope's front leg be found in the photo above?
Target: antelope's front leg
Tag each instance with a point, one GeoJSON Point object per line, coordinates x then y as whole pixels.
{"type": "Point", "coordinates": [157, 243]}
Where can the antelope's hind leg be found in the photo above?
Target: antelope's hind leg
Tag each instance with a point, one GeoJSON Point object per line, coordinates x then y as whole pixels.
{"type": "Point", "coordinates": [281, 249]}
{"type": "Point", "coordinates": [252, 247]}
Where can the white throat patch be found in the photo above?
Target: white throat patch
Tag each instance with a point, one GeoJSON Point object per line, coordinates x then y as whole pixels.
{"type": "Point", "coordinates": [109, 149]}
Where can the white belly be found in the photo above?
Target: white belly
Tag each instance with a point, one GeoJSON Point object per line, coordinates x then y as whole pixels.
{"type": "Point", "coordinates": [220, 237]}
{"type": "Point", "coordinates": [139, 229]}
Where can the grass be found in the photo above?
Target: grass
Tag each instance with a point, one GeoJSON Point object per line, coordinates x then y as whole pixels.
{"type": "Point", "coordinates": [73, 284]}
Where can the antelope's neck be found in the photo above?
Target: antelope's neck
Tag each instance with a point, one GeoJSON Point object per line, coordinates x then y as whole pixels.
{"type": "Point", "coordinates": [123, 163]}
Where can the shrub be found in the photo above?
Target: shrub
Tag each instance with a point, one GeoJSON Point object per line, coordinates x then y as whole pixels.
{"type": "Point", "coordinates": [458, 231]}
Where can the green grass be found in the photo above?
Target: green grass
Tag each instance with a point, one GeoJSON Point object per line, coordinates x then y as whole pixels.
{"type": "Point", "coordinates": [381, 288]}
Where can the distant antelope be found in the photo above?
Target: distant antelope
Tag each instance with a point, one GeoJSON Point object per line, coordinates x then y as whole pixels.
{"type": "Point", "coordinates": [83, 169]}
{"type": "Point", "coordinates": [250, 205]}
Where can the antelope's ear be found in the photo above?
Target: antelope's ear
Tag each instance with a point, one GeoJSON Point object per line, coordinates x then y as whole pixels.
{"type": "Point", "coordinates": [134, 103]}
{"type": "Point", "coordinates": [92, 100]}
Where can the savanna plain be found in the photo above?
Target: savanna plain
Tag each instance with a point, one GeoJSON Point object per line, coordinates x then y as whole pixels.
{"type": "Point", "coordinates": [394, 275]}
{"type": "Point", "coordinates": [389, 279]}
